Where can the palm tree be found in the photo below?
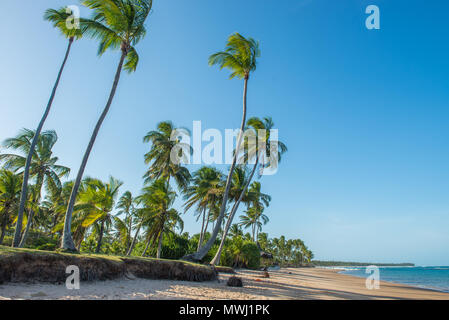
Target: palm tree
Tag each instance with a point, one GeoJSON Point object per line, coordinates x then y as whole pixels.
{"type": "Point", "coordinates": [255, 213]}
{"type": "Point", "coordinates": [235, 231]}
{"type": "Point", "coordinates": [240, 57]}
{"type": "Point", "coordinates": [9, 198]}
{"type": "Point", "coordinates": [126, 206]}
{"type": "Point", "coordinates": [116, 24]}
{"type": "Point", "coordinates": [158, 198]}
{"type": "Point", "coordinates": [204, 190]}
{"type": "Point", "coordinates": [159, 156]}
{"type": "Point", "coordinates": [58, 18]}
{"type": "Point", "coordinates": [257, 145]}
{"type": "Point", "coordinates": [42, 167]}
{"type": "Point", "coordinates": [99, 199]}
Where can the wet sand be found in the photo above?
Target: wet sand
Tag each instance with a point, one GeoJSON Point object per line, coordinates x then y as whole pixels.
{"type": "Point", "coordinates": [290, 283]}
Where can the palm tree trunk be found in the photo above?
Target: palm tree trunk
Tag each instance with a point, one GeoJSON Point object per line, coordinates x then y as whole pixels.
{"type": "Point", "coordinates": [216, 259]}
{"type": "Point", "coordinates": [27, 228]}
{"type": "Point", "coordinates": [128, 236]}
{"type": "Point", "coordinates": [134, 239]}
{"type": "Point", "coordinates": [67, 241]}
{"type": "Point", "coordinates": [146, 247]}
{"type": "Point", "coordinates": [205, 249]}
{"type": "Point", "coordinates": [3, 230]}
{"type": "Point", "coordinates": [207, 225]}
{"type": "Point", "coordinates": [200, 241]}
{"type": "Point", "coordinates": [159, 245]}
{"type": "Point", "coordinates": [26, 172]}
{"type": "Point", "coordinates": [100, 237]}
{"type": "Point", "coordinates": [40, 183]}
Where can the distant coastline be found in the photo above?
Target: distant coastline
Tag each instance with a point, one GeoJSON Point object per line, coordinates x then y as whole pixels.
{"type": "Point", "coordinates": [319, 263]}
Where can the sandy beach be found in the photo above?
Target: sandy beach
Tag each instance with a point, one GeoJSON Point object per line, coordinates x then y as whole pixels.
{"type": "Point", "coordinates": [290, 283]}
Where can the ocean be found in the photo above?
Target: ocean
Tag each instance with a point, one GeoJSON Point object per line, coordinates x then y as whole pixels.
{"type": "Point", "coordinates": [436, 278]}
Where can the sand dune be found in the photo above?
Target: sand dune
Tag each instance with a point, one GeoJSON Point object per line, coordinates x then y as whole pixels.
{"type": "Point", "coordinates": [304, 283]}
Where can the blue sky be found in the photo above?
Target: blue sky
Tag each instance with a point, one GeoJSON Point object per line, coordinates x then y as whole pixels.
{"type": "Point", "coordinates": [364, 113]}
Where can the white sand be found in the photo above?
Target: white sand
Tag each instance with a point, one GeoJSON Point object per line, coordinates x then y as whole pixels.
{"type": "Point", "coordinates": [305, 283]}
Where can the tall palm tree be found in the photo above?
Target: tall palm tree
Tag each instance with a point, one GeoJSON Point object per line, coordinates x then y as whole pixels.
{"type": "Point", "coordinates": [9, 198]}
{"type": "Point", "coordinates": [58, 18]}
{"type": "Point", "coordinates": [42, 167]}
{"type": "Point", "coordinates": [257, 145]}
{"type": "Point", "coordinates": [159, 156]}
{"type": "Point", "coordinates": [99, 199]}
{"type": "Point", "coordinates": [204, 190]}
{"type": "Point", "coordinates": [117, 24]}
{"type": "Point", "coordinates": [240, 56]}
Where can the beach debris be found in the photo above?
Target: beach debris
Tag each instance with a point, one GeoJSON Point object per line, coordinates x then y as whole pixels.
{"type": "Point", "coordinates": [235, 282]}
{"type": "Point", "coordinates": [266, 274]}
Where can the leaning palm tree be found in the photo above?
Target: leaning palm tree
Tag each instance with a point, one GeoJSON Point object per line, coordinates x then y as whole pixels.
{"type": "Point", "coordinates": [258, 145]}
{"type": "Point", "coordinates": [117, 24]}
{"type": "Point", "coordinates": [240, 57]}
{"type": "Point", "coordinates": [43, 167]}
{"type": "Point", "coordinates": [59, 19]}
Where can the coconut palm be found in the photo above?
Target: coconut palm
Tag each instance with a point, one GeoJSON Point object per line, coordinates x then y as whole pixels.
{"type": "Point", "coordinates": [59, 19]}
{"type": "Point", "coordinates": [42, 167]}
{"type": "Point", "coordinates": [254, 215]}
{"type": "Point", "coordinates": [204, 190]}
{"type": "Point", "coordinates": [158, 198]}
{"type": "Point", "coordinates": [117, 24]}
{"type": "Point", "coordinates": [235, 231]}
{"type": "Point", "coordinates": [160, 155]}
{"type": "Point", "coordinates": [99, 199]}
{"type": "Point", "coordinates": [126, 206]}
{"type": "Point", "coordinates": [240, 56]}
{"type": "Point", "coordinates": [258, 144]}
{"type": "Point", "coordinates": [9, 198]}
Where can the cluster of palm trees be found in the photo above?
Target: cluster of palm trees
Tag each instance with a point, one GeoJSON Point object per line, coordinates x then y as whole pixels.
{"type": "Point", "coordinates": [86, 207]}
{"type": "Point", "coordinates": [100, 212]}
{"type": "Point", "coordinates": [291, 252]}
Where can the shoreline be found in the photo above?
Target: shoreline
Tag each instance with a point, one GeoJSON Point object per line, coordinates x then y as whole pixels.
{"type": "Point", "coordinates": [393, 282]}
{"type": "Point", "coordinates": [283, 284]}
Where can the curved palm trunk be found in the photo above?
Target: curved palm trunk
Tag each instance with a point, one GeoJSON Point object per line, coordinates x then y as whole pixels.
{"type": "Point", "coordinates": [206, 226]}
{"type": "Point", "coordinates": [205, 249]}
{"type": "Point", "coordinates": [128, 236]}
{"type": "Point", "coordinates": [134, 239]}
{"type": "Point", "coordinates": [4, 223]}
{"type": "Point", "coordinates": [26, 172]}
{"type": "Point", "coordinates": [67, 241]}
{"type": "Point", "coordinates": [200, 241]}
{"type": "Point", "coordinates": [146, 247]}
{"type": "Point", "coordinates": [100, 237]}
{"type": "Point", "coordinates": [40, 182]}
{"type": "Point", "coordinates": [216, 259]}
{"type": "Point", "coordinates": [27, 229]}
{"type": "Point", "coordinates": [159, 246]}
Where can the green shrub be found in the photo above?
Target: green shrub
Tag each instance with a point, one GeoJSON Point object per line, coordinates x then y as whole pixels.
{"type": "Point", "coordinates": [251, 255]}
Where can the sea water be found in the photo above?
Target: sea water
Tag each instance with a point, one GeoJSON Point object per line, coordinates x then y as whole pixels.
{"type": "Point", "coordinates": [436, 278]}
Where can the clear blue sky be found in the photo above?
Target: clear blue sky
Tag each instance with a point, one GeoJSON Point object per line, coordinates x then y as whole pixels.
{"type": "Point", "coordinates": [364, 113]}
